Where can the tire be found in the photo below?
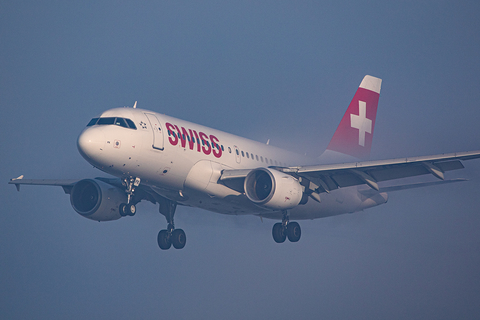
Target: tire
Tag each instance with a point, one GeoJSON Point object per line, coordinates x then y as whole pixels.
{"type": "Point", "coordinates": [164, 241]}
{"type": "Point", "coordinates": [293, 231]}
{"type": "Point", "coordinates": [122, 208]}
{"type": "Point", "coordinates": [278, 233]}
{"type": "Point", "coordinates": [178, 238]}
{"type": "Point", "coordinates": [130, 209]}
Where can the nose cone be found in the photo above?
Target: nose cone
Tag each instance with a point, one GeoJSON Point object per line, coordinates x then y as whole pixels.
{"type": "Point", "coordinates": [91, 144]}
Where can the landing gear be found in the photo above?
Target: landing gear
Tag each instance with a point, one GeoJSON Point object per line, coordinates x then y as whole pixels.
{"type": "Point", "coordinates": [129, 209]}
{"type": "Point", "coordinates": [284, 229]}
{"type": "Point", "coordinates": [178, 238]}
{"type": "Point", "coordinates": [171, 236]}
{"type": "Point", "coordinates": [293, 231]}
{"type": "Point", "coordinates": [278, 232]}
{"type": "Point", "coordinates": [163, 239]}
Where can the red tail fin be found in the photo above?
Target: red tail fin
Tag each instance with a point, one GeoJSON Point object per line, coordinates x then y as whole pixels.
{"type": "Point", "coordinates": [355, 132]}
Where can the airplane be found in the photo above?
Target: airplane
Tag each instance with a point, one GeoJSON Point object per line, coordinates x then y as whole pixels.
{"type": "Point", "coordinates": [171, 162]}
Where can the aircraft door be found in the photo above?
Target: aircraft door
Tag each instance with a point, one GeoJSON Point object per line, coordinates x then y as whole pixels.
{"type": "Point", "coordinates": [157, 131]}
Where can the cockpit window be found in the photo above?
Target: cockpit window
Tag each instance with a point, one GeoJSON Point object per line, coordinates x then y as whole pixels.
{"type": "Point", "coordinates": [92, 122]}
{"type": "Point", "coordinates": [106, 121]}
{"type": "Point", "coordinates": [131, 124]}
{"type": "Point", "coordinates": [122, 122]}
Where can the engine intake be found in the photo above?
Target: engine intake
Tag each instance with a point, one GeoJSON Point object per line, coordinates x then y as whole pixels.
{"type": "Point", "coordinates": [97, 200]}
{"type": "Point", "coordinates": [272, 189]}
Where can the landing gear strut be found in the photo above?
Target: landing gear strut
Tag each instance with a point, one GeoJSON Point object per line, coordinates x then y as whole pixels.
{"type": "Point", "coordinates": [129, 209]}
{"type": "Point", "coordinates": [284, 229]}
{"type": "Point", "coordinates": [171, 236]}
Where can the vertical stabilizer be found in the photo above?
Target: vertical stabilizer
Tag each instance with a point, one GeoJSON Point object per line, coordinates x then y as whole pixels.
{"type": "Point", "coordinates": [354, 134]}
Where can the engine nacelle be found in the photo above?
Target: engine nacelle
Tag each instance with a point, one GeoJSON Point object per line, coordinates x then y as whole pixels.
{"type": "Point", "coordinates": [97, 200]}
{"type": "Point", "coordinates": [273, 189]}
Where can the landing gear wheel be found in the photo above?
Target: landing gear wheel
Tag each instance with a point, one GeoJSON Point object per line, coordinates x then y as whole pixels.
{"type": "Point", "coordinates": [122, 209]}
{"type": "Point", "coordinates": [163, 239]}
{"type": "Point", "coordinates": [130, 209]}
{"type": "Point", "coordinates": [178, 238]}
{"type": "Point", "coordinates": [278, 233]}
{"type": "Point", "coordinates": [293, 231]}
{"type": "Point", "coordinates": [127, 209]}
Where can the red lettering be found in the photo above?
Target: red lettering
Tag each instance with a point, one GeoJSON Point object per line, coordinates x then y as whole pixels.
{"type": "Point", "coordinates": [172, 136]}
{"type": "Point", "coordinates": [182, 137]}
{"type": "Point", "coordinates": [217, 152]}
{"type": "Point", "coordinates": [206, 146]}
{"type": "Point", "coordinates": [190, 139]}
{"type": "Point", "coordinates": [197, 140]}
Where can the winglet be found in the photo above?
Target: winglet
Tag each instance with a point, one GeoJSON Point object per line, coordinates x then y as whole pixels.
{"type": "Point", "coordinates": [17, 185]}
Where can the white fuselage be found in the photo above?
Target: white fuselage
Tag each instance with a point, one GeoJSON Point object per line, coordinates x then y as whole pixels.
{"type": "Point", "coordinates": [183, 162]}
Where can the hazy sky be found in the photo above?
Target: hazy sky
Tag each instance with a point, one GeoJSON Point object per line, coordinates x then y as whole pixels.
{"type": "Point", "coordinates": [277, 70]}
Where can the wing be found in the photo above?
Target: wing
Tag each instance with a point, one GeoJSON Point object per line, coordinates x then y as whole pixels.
{"type": "Point", "coordinates": [332, 176]}
{"type": "Point", "coordinates": [142, 192]}
{"type": "Point", "coordinates": [66, 184]}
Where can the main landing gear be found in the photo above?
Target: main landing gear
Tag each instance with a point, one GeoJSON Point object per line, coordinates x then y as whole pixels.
{"type": "Point", "coordinates": [284, 229]}
{"type": "Point", "coordinates": [170, 236]}
{"type": "Point", "coordinates": [129, 209]}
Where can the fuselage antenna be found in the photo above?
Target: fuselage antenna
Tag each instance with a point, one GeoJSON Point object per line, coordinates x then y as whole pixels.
{"type": "Point", "coordinates": [135, 105]}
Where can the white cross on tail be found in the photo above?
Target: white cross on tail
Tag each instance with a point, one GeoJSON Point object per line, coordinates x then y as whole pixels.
{"type": "Point", "coordinates": [361, 122]}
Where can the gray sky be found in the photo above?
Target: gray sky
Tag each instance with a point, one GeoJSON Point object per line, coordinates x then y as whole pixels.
{"type": "Point", "coordinates": [277, 70]}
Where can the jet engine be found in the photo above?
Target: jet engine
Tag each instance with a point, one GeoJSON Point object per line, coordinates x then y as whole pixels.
{"type": "Point", "coordinates": [97, 200]}
{"type": "Point", "coordinates": [272, 189]}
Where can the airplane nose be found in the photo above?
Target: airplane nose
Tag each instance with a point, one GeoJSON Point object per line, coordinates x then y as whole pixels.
{"type": "Point", "coordinates": [91, 143]}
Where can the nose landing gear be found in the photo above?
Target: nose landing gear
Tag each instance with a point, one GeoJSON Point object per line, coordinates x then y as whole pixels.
{"type": "Point", "coordinates": [129, 209]}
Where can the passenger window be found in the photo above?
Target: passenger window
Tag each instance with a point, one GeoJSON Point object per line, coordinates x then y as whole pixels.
{"type": "Point", "coordinates": [266, 160]}
{"type": "Point", "coordinates": [256, 156]}
{"type": "Point", "coordinates": [243, 154]}
{"type": "Point", "coordinates": [92, 122]}
{"type": "Point", "coordinates": [247, 154]}
{"type": "Point", "coordinates": [261, 158]}
{"type": "Point", "coordinates": [276, 163]}
{"type": "Point", "coordinates": [222, 147]}
{"type": "Point", "coordinates": [237, 152]}
{"type": "Point", "coordinates": [229, 150]}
